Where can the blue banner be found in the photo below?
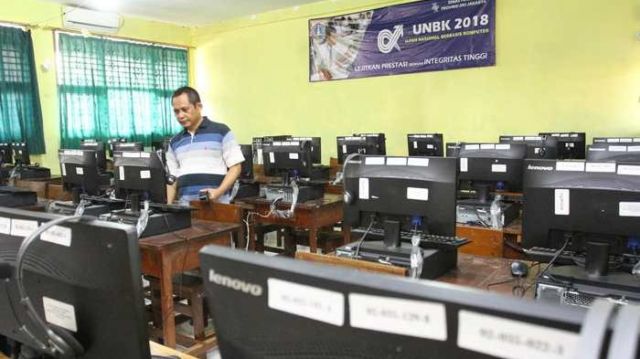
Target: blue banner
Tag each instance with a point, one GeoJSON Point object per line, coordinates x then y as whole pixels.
{"type": "Point", "coordinates": [415, 37]}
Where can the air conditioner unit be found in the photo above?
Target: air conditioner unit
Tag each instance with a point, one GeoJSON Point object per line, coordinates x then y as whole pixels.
{"type": "Point", "coordinates": [83, 19]}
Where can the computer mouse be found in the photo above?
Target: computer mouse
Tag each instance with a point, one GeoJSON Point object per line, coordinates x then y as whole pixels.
{"type": "Point", "coordinates": [519, 269]}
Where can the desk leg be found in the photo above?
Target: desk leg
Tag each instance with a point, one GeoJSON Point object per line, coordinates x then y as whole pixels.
{"type": "Point", "coordinates": [313, 240]}
{"type": "Point", "coordinates": [346, 234]}
{"type": "Point", "coordinates": [166, 300]}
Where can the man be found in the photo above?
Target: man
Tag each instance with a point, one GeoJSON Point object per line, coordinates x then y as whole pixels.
{"type": "Point", "coordinates": [204, 157]}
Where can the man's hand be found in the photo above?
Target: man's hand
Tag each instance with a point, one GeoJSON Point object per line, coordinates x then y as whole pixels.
{"type": "Point", "coordinates": [213, 193]}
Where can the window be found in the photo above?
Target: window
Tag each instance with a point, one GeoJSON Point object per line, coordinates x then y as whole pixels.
{"type": "Point", "coordinates": [111, 88]}
{"type": "Point", "coordinates": [20, 112]}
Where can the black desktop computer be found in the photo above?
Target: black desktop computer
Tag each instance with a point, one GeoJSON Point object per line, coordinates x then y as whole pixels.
{"type": "Point", "coordinates": [17, 197]}
{"type": "Point", "coordinates": [394, 199]}
{"type": "Point", "coordinates": [425, 144]}
{"type": "Point", "coordinates": [139, 178]}
{"type": "Point", "coordinates": [538, 146]}
{"type": "Point", "coordinates": [486, 168]}
{"type": "Point", "coordinates": [100, 151]}
{"type": "Point", "coordinates": [571, 145]}
{"type": "Point", "coordinates": [583, 218]}
{"type": "Point", "coordinates": [360, 144]}
{"type": "Point", "coordinates": [82, 283]}
{"type": "Point", "coordinates": [607, 152]}
{"type": "Point", "coordinates": [275, 307]}
{"type": "Point", "coordinates": [21, 167]}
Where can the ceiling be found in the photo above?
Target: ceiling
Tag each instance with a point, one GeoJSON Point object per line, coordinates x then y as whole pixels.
{"type": "Point", "coordinates": [186, 12]}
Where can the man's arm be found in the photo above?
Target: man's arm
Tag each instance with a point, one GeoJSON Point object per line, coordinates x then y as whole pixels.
{"type": "Point", "coordinates": [172, 189]}
{"type": "Point", "coordinates": [172, 167]}
{"type": "Point", "coordinates": [229, 179]}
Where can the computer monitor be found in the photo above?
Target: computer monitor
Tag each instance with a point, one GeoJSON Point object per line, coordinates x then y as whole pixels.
{"type": "Point", "coordinates": [538, 146]}
{"type": "Point", "coordinates": [99, 148]}
{"type": "Point", "coordinates": [453, 149]}
{"type": "Point", "coordinates": [581, 202]}
{"type": "Point", "coordinates": [417, 193]}
{"type": "Point", "coordinates": [140, 174]}
{"type": "Point", "coordinates": [276, 307]}
{"type": "Point", "coordinates": [288, 159]}
{"type": "Point", "coordinates": [80, 171]}
{"type": "Point", "coordinates": [111, 142]}
{"type": "Point", "coordinates": [316, 147]}
{"type": "Point", "coordinates": [6, 155]}
{"type": "Point", "coordinates": [491, 166]}
{"type": "Point", "coordinates": [617, 140]}
{"type": "Point", "coordinates": [605, 152]}
{"type": "Point", "coordinates": [247, 165]}
{"type": "Point", "coordinates": [365, 145]}
{"type": "Point", "coordinates": [425, 144]}
{"type": "Point", "coordinates": [128, 147]}
{"type": "Point", "coordinates": [161, 144]}
{"type": "Point", "coordinates": [380, 138]}
{"type": "Point", "coordinates": [20, 154]}
{"type": "Point", "coordinates": [571, 145]}
{"type": "Point", "coordinates": [83, 277]}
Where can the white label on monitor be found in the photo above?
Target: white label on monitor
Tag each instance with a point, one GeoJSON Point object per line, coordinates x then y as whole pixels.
{"type": "Point", "coordinates": [617, 148]}
{"type": "Point", "coordinates": [518, 138]}
{"type": "Point", "coordinates": [398, 316]}
{"type": "Point", "coordinates": [629, 209]}
{"type": "Point", "coordinates": [145, 155]}
{"type": "Point", "coordinates": [396, 161]}
{"type": "Point", "coordinates": [464, 165]}
{"type": "Point", "coordinates": [260, 159]}
{"type": "Point", "coordinates": [570, 166]}
{"type": "Point", "coordinates": [22, 227]}
{"type": "Point", "coordinates": [5, 225]}
{"type": "Point", "coordinates": [60, 314]}
{"type": "Point", "coordinates": [64, 169]}
{"type": "Point", "coordinates": [418, 194]}
{"type": "Point", "coordinates": [415, 144]}
{"type": "Point", "coordinates": [57, 235]}
{"type": "Point", "coordinates": [418, 162]}
{"type": "Point", "coordinates": [272, 157]}
{"type": "Point", "coordinates": [146, 174]}
{"type": "Point", "coordinates": [626, 140]}
{"type": "Point", "coordinates": [487, 146]}
{"type": "Point", "coordinates": [374, 161]}
{"type": "Point", "coordinates": [562, 202]}
{"type": "Point", "coordinates": [131, 154]}
{"type": "Point", "coordinates": [512, 339]}
{"type": "Point", "coordinates": [344, 149]}
{"type": "Point", "coordinates": [293, 156]}
{"type": "Point", "coordinates": [636, 140]}
{"type": "Point", "coordinates": [306, 301]}
{"type": "Point", "coordinates": [603, 167]}
{"type": "Point", "coordinates": [503, 146]}
{"type": "Point", "coordinates": [363, 188]}
{"type": "Point", "coordinates": [633, 148]}
{"type": "Point", "coordinates": [597, 149]}
{"type": "Point", "coordinates": [533, 138]}
{"type": "Point", "coordinates": [471, 147]}
{"type": "Point", "coordinates": [564, 135]}
{"type": "Point", "coordinates": [121, 173]}
{"type": "Point", "coordinates": [613, 140]}
{"type": "Point", "coordinates": [79, 171]}
{"type": "Point", "coordinates": [430, 146]}
{"type": "Point", "coordinates": [629, 170]}
{"type": "Point", "coordinates": [499, 168]}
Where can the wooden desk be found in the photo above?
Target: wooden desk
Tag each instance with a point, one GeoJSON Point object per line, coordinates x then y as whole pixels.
{"type": "Point", "coordinates": [311, 215]}
{"type": "Point", "coordinates": [221, 212]}
{"type": "Point", "coordinates": [172, 253]}
{"type": "Point", "coordinates": [491, 242]}
{"type": "Point", "coordinates": [159, 349]}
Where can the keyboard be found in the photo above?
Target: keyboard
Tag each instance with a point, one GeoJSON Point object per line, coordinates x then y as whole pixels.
{"type": "Point", "coordinates": [429, 240]}
{"type": "Point", "coordinates": [542, 254]}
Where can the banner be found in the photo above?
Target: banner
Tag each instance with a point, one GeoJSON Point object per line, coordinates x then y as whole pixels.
{"type": "Point", "coordinates": [415, 37]}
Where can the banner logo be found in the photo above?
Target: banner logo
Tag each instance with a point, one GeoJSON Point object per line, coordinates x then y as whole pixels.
{"type": "Point", "coordinates": [387, 40]}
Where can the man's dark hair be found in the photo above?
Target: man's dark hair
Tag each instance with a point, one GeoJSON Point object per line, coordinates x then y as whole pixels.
{"type": "Point", "coordinates": [192, 94]}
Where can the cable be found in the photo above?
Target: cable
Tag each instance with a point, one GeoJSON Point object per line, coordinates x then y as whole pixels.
{"type": "Point", "coordinates": [362, 238]}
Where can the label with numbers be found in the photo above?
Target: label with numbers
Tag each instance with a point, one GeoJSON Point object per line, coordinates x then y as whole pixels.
{"type": "Point", "coordinates": [306, 301]}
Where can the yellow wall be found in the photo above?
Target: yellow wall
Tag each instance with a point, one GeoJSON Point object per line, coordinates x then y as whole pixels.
{"type": "Point", "coordinates": [48, 15]}
{"type": "Point", "coordinates": [561, 65]}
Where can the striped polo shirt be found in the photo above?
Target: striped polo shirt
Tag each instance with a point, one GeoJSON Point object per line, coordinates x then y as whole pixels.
{"type": "Point", "coordinates": [201, 160]}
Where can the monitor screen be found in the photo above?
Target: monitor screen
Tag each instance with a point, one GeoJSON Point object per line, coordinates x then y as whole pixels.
{"type": "Point", "coordinates": [287, 158]}
{"type": "Point", "coordinates": [316, 147]}
{"type": "Point", "coordinates": [99, 149]}
{"type": "Point", "coordinates": [364, 145]}
{"type": "Point", "coordinates": [425, 144]}
{"type": "Point", "coordinates": [571, 145]}
{"type": "Point", "coordinates": [420, 193]}
{"type": "Point", "coordinates": [139, 173]}
{"type": "Point", "coordinates": [20, 153]}
{"type": "Point", "coordinates": [6, 155]}
{"type": "Point", "coordinates": [247, 165]}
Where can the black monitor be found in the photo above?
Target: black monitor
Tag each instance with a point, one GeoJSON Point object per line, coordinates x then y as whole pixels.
{"type": "Point", "coordinates": [276, 307]}
{"type": "Point", "coordinates": [538, 146]}
{"type": "Point", "coordinates": [571, 145]}
{"type": "Point", "coordinates": [605, 152]}
{"type": "Point", "coordinates": [417, 192]}
{"type": "Point", "coordinates": [83, 278]}
{"type": "Point", "coordinates": [581, 202]}
{"type": "Point", "coordinates": [6, 155]}
{"type": "Point", "coordinates": [491, 166]}
{"type": "Point", "coordinates": [247, 165]}
{"type": "Point", "coordinates": [99, 149]}
{"type": "Point", "coordinates": [425, 144]}
{"type": "Point", "coordinates": [617, 140]}
{"type": "Point", "coordinates": [258, 143]}
{"type": "Point", "coordinates": [20, 154]}
{"type": "Point", "coordinates": [128, 147]}
{"type": "Point", "coordinates": [79, 169]}
{"type": "Point", "coordinates": [161, 144]}
{"type": "Point", "coordinates": [381, 140]}
{"type": "Point", "coordinates": [288, 159]}
{"type": "Point", "coordinates": [452, 149]}
{"type": "Point", "coordinates": [112, 141]}
{"type": "Point", "coordinates": [364, 145]}
{"type": "Point", "coordinates": [140, 174]}
{"type": "Point", "coordinates": [316, 147]}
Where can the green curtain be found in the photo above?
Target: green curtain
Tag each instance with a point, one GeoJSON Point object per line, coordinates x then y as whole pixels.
{"type": "Point", "coordinates": [110, 88]}
{"type": "Point", "coordinates": [20, 111]}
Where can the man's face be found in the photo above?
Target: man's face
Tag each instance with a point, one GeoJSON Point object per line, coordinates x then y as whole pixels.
{"type": "Point", "coordinates": [187, 114]}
